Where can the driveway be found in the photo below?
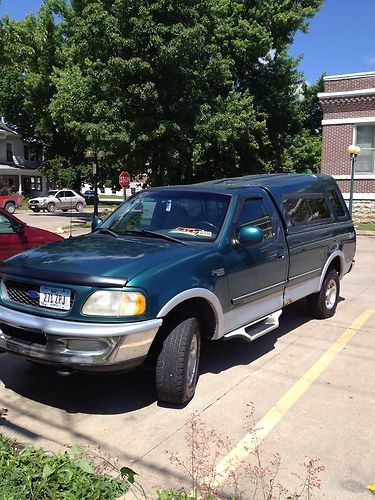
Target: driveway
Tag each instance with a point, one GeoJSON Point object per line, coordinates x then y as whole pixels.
{"type": "Point", "coordinates": [312, 385]}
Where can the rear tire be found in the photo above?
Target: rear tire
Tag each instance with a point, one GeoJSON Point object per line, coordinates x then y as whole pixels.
{"type": "Point", "coordinates": [178, 362]}
{"type": "Point", "coordinates": [323, 304]}
{"type": "Point", "coordinates": [10, 207]}
{"type": "Point", "coordinates": [51, 207]}
{"type": "Point", "coordinates": [79, 207]}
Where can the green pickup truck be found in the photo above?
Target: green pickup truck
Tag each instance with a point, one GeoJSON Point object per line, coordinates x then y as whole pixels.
{"type": "Point", "coordinates": [173, 265]}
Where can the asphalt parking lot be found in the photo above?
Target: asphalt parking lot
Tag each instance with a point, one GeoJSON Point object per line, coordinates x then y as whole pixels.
{"type": "Point", "coordinates": [312, 385]}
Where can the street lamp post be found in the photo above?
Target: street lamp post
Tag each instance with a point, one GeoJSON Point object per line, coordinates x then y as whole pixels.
{"type": "Point", "coordinates": [354, 152]}
{"type": "Point", "coordinates": [95, 157]}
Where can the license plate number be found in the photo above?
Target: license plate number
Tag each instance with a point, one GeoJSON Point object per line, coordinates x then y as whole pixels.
{"type": "Point", "coordinates": [55, 298]}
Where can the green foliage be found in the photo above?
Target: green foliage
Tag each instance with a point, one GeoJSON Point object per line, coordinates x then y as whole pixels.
{"type": "Point", "coordinates": [30, 473]}
{"type": "Point", "coordinates": [188, 90]}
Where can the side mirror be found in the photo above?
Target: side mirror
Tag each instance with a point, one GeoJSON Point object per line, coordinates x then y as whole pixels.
{"type": "Point", "coordinates": [95, 223]}
{"type": "Point", "coordinates": [19, 228]}
{"type": "Point", "coordinates": [249, 236]}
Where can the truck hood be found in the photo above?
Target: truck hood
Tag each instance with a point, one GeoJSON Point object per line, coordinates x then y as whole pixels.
{"type": "Point", "coordinates": [97, 259]}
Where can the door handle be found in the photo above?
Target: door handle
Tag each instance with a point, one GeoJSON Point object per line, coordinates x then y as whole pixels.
{"type": "Point", "coordinates": [280, 256]}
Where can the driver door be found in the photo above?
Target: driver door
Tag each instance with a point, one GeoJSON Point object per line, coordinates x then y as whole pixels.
{"type": "Point", "coordinates": [256, 274]}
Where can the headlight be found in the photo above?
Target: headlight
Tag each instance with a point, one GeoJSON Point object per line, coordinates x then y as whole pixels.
{"type": "Point", "coordinates": [111, 303]}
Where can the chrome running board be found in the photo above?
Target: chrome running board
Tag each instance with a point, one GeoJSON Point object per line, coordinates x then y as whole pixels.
{"type": "Point", "coordinates": [256, 329]}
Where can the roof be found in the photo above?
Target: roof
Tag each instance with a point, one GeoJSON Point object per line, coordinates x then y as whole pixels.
{"type": "Point", "coordinates": [7, 129]}
{"type": "Point", "coordinates": [277, 184]}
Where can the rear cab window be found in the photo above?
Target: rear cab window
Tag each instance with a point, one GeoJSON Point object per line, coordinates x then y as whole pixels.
{"type": "Point", "coordinates": [307, 209]}
{"type": "Point", "coordinates": [336, 203]}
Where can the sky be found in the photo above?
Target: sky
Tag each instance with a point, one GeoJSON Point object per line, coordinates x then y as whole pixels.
{"type": "Point", "coordinates": [340, 38]}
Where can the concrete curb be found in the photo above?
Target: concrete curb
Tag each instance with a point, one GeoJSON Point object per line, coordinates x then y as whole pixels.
{"type": "Point", "coordinates": [365, 233]}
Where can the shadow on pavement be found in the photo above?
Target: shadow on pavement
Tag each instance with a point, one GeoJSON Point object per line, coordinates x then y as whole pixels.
{"type": "Point", "coordinates": [108, 394]}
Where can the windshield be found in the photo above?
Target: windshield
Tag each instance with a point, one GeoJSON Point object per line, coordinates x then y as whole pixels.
{"type": "Point", "coordinates": [185, 215]}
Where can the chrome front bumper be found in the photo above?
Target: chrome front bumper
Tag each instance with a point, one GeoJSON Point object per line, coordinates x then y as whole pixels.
{"type": "Point", "coordinates": [94, 346]}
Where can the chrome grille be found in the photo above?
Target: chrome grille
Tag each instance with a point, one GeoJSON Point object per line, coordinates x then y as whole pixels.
{"type": "Point", "coordinates": [19, 293]}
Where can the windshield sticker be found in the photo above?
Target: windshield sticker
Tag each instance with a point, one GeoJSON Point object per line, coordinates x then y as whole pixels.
{"type": "Point", "coordinates": [191, 231]}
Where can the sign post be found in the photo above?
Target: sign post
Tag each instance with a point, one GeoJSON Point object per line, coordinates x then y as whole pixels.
{"type": "Point", "coordinates": [124, 181]}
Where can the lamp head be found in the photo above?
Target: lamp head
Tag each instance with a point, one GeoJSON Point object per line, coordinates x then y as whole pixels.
{"type": "Point", "coordinates": [354, 150]}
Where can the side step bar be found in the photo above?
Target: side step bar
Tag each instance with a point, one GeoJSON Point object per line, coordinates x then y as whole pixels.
{"type": "Point", "coordinates": [257, 328]}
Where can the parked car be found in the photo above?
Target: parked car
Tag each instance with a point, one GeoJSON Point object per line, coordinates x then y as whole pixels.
{"type": "Point", "coordinates": [62, 199]}
{"type": "Point", "coordinates": [16, 236]}
{"type": "Point", "coordinates": [174, 265]}
{"type": "Point", "coordinates": [89, 196]}
{"type": "Point", "coordinates": [10, 202]}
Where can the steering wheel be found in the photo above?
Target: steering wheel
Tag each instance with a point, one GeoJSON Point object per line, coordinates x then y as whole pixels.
{"type": "Point", "coordinates": [207, 224]}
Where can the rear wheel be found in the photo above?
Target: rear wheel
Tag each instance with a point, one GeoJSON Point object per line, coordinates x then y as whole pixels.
{"type": "Point", "coordinates": [323, 304]}
{"type": "Point", "coordinates": [178, 362]}
{"type": "Point", "coordinates": [10, 207]}
{"type": "Point", "coordinates": [51, 207]}
{"type": "Point", "coordinates": [79, 207]}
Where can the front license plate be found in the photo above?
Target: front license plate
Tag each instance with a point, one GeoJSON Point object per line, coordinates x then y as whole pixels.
{"type": "Point", "coordinates": [55, 298]}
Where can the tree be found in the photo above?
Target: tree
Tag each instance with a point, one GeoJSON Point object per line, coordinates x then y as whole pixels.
{"type": "Point", "coordinates": [189, 90]}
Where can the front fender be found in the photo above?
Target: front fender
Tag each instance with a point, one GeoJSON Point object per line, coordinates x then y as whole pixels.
{"type": "Point", "coordinates": [198, 293]}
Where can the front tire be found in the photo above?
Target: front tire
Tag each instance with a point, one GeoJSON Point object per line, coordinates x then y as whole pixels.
{"type": "Point", "coordinates": [36, 210]}
{"type": "Point", "coordinates": [323, 304]}
{"type": "Point", "coordinates": [178, 362]}
{"type": "Point", "coordinates": [10, 207]}
{"type": "Point", "coordinates": [51, 207]}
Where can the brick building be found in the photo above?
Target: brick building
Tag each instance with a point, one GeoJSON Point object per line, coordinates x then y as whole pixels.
{"type": "Point", "coordinates": [348, 104]}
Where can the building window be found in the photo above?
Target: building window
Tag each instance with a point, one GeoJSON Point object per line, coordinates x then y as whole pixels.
{"type": "Point", "coordinates": [9, 152]}
{"type": "Point", "coordinates": [365, 163]}
{"type": "Point", "coordinates": [35, 183]}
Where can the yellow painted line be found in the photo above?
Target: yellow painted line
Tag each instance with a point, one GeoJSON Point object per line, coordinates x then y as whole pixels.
{"type": "Point", "coordinates": [249, 443]}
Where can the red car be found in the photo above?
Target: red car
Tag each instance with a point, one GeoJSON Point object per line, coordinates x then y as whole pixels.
{"type": "Point", "coordinates": [16, 236]}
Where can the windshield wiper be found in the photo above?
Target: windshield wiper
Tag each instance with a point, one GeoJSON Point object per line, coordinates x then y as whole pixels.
{"type": "Point", "coordinates": [154, 234]}
{"type": "Point", "coordinates": [107, 231]}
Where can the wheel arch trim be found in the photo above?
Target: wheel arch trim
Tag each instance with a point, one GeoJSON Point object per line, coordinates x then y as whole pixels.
{"type": "Point", "coordinates": [198, 293]}
{"type": "Point", "coordinates": [337, 253]}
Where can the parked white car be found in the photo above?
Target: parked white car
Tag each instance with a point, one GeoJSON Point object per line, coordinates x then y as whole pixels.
{"type": "Point", "coordinates": [62, 199]}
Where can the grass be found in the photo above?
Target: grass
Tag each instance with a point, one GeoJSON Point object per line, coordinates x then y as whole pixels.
{"type": "Point", "coordinates": [365, 227]}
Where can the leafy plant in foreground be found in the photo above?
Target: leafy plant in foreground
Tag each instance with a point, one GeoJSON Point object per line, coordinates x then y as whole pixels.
{"type": "Point", "coordinates": [31, 473]}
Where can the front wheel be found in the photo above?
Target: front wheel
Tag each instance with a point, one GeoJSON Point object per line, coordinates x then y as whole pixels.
{"type": "Point", "coordinates": [178, 362]}
{"type": "Point", "coordinates": [10, 207]}
{"type": "Point", "coordinates": [51, 207]}
{"type": "Point", "coordinates": [323, 304]}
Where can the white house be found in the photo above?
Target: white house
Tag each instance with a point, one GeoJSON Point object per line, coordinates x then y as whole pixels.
{"type": "Point", "coordinates": [18, 164]}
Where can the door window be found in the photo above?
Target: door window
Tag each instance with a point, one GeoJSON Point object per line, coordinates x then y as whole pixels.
{"type": "Point", "coordinates": [5, 225]}
{"type": "Point", "coordinates": [253, 213]}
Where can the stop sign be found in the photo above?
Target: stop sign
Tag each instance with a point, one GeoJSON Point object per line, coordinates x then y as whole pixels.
{"type": "Point", "coordinates": [124, 179]}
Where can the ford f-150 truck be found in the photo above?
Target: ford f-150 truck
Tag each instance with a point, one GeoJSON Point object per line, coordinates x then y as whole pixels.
{"type": "Point", "coordinates": [10, 202]}
{"type": "Point", "coordinates": [173, 265]}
